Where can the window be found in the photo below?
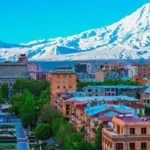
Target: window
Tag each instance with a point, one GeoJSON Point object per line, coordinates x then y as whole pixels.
{"type": "Point", "coordinates": [143, 146]}
{"type": "Point", "coordinates": [58, 76]}
{"type": "Point", "coordinates": [143, 130]}
{"type": "Point", "coordinates": [67, 106]}
{"type": "Point", "coordinates": [119, 146]}
{"type": "Point", "coordinates": [58, 87]}
{"type": "Point", "coordinates": [58, 81]}
{"type": "Point", "coordinates": [70, 76]}
{"type": "Point", "coordinates": [70, 81]}
{"type": "Point", "coordinates": [67, 112]}
{"type": "Point", "coordinates": [64, 87]}
{"type": "Point", "coordinates": [118, 129]}
{"type": "Point", "coordinates": [89, 90]}
{"type": "Point", "coordinates": [64, 81]}
{"type": "Point", "coordinates": [69, 87]}
{"type": "Point", "coordinates": [132, 145]}
{"type": "Point", "coordinates": [64, 76]}
{"type": "Point", "coordinates": [132, 131]}
{"type": "Point", "coordinates": [121, 129]}
{"type": "Point", "coordinates": [113, 125]}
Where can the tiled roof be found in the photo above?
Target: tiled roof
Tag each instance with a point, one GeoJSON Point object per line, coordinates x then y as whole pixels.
{"type": "Point", "coordinates": [147, 90]}
{"type": "Point", "coordinates": [114, 86]}
{"type": "Point", "coordinates": [132, 119]}
{"type": "Point", "coordinates": [101, 98]}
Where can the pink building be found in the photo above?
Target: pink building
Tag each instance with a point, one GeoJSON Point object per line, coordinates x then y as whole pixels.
{"type": "Point", "coordinates": [32, 67]}
{"type": "Point", "coordinates": [99, 75]}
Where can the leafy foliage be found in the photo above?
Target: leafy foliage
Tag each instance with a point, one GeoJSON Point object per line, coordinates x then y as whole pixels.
{"type": "Point", "coordinates": [84, 145]}
{"type": "Point", "coordinates": [34, 86]}
{"type": "Point", "coordinates": [17, 103]}
{"type": "Point", "coordinates": [48, 113]}
{"type": "Point", "coordinates": [56, 124]}
{"type": "Point", "coordinates": [1, 98]}
{"type": "Point", "coordinates": [4, 91]}
{"type": "Point", "coordinates": [72, 139]}
{"type": "Point", "coordinates": [98, 137]}
{"type": "Point", "coordinates": [27, 113]}
{"type": "Point", "coordinates": [147, 111]}
{"type": "Point", "coordinates": [42, 132]}
{"type": "Point", "coordinates": [80, 85]}
{"type": "Point", "coordinates": [63, 131]}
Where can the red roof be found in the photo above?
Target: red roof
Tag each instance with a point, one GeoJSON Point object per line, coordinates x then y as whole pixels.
{"type": "Point", "coordinates": [79, 103]}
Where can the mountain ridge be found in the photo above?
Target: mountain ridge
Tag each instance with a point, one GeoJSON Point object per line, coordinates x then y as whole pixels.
{"type": "Point", "coordinates": [128, 38]}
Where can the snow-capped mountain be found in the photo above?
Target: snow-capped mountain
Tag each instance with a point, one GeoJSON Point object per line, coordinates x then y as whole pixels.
{"type": "Point", "coordinates": [127, 39]}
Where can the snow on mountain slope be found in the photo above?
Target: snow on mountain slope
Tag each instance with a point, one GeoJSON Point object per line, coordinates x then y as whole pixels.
{"type": "Point", "coordinates": [127, 39]}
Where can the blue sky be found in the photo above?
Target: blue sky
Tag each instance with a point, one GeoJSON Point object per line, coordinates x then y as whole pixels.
{"type": "Point", "coordinates": [26, 20]}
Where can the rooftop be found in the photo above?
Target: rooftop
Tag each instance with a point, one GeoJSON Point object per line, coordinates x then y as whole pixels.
{"type": "Point", "coordinates": [114, 87]}
{"type": "Point", "coordinates": [102, 98]}
{"type": "Point", "coordinates": [147, 90]}
{"type": "Point", "coordinates": [133, 119]}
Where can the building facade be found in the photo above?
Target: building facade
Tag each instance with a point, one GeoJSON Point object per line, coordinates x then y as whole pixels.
{"type": "Point", "coordinates": [128, 132]}
{"type": "Point", "coordinates": [114, 90]}
{"type": "Point", "coordinates": [11, 71]}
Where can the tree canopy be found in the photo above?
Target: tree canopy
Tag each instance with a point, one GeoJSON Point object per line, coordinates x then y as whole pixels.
{"type": "Point", "coordinates": [98, 137]}
{"type": "Point", "coordinates": [42, 132]}
{"type": "Point", "coordinates": [4, 91]}
{"type": "Point", "coordinates": [84, 145]}
{"type": "Point", "coordinates": [27, 113]}
{"type": "Point", "coordinates": [49, 113]}
{"type": "Point", "coordinates": [72, 139]}
{"type": "Point", "coordinates": [34, 86]}
{"type": "Point", "coordinates": [80, 85]}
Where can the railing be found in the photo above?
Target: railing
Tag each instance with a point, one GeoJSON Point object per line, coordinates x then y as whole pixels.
{"type": "Point", "coordinates": [117, 137]}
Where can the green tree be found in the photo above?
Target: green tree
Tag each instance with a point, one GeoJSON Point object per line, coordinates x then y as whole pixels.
{"type": "Point", "coordinates": [80, 85]}
{"type": "Point", "coordinates": [98, 137]}
{"type": "Point", "coordinates": [48, 113]}
{"type": "Point", "coordinates": [16, 101]}
{"type": "Point", "coordinates": [28, 110]}
{"type": "Point", "coordinates": [34, 86]}
{"type": "Point", "coordinates": [147, 110]}
{"type": "Point", "coordinates": [42, 132]}
{"type": "Point", "coordinates": [63, 131]}
{"type": "Point", "coordinates": [140, 115]}
{"type": "Point", "coordinates": [49, 148]}
{"type": "Point", "coordinates": [4, 91]}
{"type": "Point", "coordinates": [71, 139]}
{"type": "Point", "coordinates": [20, 85]}
{"type": "Point", "coordinates": [37, 86]}
{"type": "Point", "coordinates": [43, 99]}
{"type": "Point", "coordinates": [83, 145]}
{"type": "Point", "coordinates": [56, 124]}
{"type": "Point", "coordinates": [1, 98]}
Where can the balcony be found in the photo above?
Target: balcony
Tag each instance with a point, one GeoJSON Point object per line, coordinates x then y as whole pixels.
{"type": "Point", "coordinates": [117, 137]}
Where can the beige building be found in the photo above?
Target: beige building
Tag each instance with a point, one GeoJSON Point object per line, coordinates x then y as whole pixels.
{"type": "Point", "coordinates": [127, 133]}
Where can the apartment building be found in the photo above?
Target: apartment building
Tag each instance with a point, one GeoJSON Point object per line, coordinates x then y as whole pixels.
{"type": "Point", "coordinates": [114, 90]}
{"type": "Point", "coordinates": [11, 71]}
{"type": "Point", "coordinates": [62, 80]}
{"type": "Point", "coordinates": [143, 70]}
{"type": "Point", "coordinates": [146, 96]}
{"type": "Point", "coordinates": [128, 132]}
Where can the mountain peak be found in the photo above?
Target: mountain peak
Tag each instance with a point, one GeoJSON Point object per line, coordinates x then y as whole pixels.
{"type": "Point", "coordinates": [147, 5]}
{"type": "Point", "coordinates": [129, 38]}
{"type": "Point", "coordinates": [145, 8]}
